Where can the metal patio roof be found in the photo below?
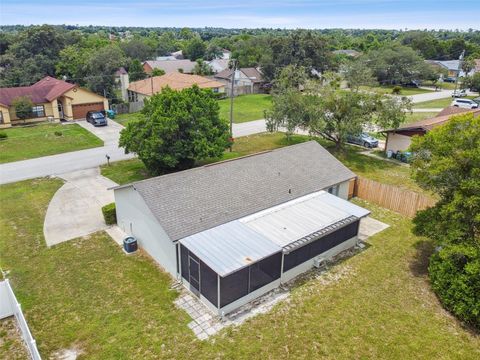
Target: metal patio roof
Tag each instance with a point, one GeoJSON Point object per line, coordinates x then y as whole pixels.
{"type": "Point", "coordinates": [229, 247]}
{"type": "Point", "coordinates": [296, 219]}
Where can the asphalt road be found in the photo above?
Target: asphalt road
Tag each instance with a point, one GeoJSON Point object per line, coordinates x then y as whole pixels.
{"type": "Point", "coordinates": [90, 158]}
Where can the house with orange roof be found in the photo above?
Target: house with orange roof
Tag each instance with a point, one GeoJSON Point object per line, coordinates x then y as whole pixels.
{"type": "Point", "coordinates": [400, 139]}
{"type": "Point", "coordinates": [141, 89]}
{"type": "Point", "coordinates": [52, 99]}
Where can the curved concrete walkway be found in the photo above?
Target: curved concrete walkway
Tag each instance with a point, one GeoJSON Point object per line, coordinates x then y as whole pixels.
{"type": "Point", "coordinates": [75, 209]}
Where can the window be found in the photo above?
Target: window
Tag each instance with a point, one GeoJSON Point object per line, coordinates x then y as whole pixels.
{"type": "Point", "coordinates": [334, 190]}
{"type": "Point", "coordinates": [38, 111]}
{"type": "Point", "coordinates": [132, 96]}
{"type": "Point", "coordinates": [1, 117]}
{"type": "Point", "coordinates": [215, 90]}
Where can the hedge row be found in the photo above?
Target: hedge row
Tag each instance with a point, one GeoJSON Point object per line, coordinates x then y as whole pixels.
{"type": "Point", "coordinates": [109, 214]}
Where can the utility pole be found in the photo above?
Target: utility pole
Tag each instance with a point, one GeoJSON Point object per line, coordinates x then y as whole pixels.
{"type": "Point", "coordinates": [460, 60]}
{"type": "Point", "coordinates": [231, 101]}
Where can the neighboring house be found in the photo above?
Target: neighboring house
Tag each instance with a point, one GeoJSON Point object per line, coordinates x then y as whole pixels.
{"type": "Point", "coordinates": [348, 52]}
{"type": "Point", "coordinates": [123, 81]}
{"type": "Point", "coordinates": [169, 66]}
{"type": "Point", "coordinates": [177, 54]}
{"type": "Point", "coordinates": [226, 54]}
{"type": "Point", "coordinates": [53, 99]}
{"type": "Point", "coordinates": [235, 230]}
{"type": "Point", "coordinates": [401, 138]}
{"type": "Point", "coordinates": [250, 79]}
{"type": "Point", "coordinates": [218, 65]}
{"type": "Point", "coordinates": [139, 90]}
{"type": "Point", "coordinates": [452, 67]}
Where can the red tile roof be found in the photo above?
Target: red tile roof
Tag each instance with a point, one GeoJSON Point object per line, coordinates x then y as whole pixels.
{"type": "Point", "coordinates": [43, 91]}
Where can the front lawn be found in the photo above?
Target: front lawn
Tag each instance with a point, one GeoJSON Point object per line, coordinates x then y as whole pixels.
{"type": "Point", "coordinates": [124, 119]}
{"type": "Point", "coordinates": [413, 117]}
{"type": "Point", "coordinates": [387, 89]}
{"type": "Point", "coordinates": [387, 172]}
{"type": "Point", "coordinates": [437, 104]}
{"type": "Point", "coordinates": [46, 139]}
{"type": "Point", "coordinates": [87, 295]}
{"type": "Point", "coordinates": [246, 107]}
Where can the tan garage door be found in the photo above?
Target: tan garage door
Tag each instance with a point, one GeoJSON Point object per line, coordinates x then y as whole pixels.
{"type": "Point", "coordinates": [80, 110]}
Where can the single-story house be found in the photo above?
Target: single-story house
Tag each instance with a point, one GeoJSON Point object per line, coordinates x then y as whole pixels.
{"type": "Point", "coordinates": [401, 138]}
{"type": "Point", "coordinates": [452, 67]}
{"type": "Point", "coordinates": [53, 99]}
{"type": "Point", "coordinates": [218, 65]}
{"type": "Point", "coordinates": [139, 90]}
{"type": "Point", "coordinates": [234, 230]}
{"type": "Point", "coordinates": [170, 66]}
{"type": "Point", "coordinates": [250, 78]}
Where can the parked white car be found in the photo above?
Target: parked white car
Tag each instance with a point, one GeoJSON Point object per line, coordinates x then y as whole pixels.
{"type": "Point", "coordinates": [459, 93]}
{"type": "Point", "coordinates": [464, 103]}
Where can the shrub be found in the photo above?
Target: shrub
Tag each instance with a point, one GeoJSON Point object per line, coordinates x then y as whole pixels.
{"type": "Point", "coordinates": [455, 277]}
{"type": "Point", "coordinates": [58, 133]}
{"type": "Point", "coordinates": [3, 136]}
{"type": "Point", "coordinates": [110, 214]}
{"type": "Point", "coordinates": [396, 90]}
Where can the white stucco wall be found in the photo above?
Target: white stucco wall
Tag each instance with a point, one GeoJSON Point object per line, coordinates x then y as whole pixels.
{"type": "Point", "coordinates": [397, 142]}
{"type": "Point", "coordinates": [136, 219]}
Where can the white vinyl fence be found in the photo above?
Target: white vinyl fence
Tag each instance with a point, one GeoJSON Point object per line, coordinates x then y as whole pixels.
{"type": "Point", "coordinates": [9, 306]}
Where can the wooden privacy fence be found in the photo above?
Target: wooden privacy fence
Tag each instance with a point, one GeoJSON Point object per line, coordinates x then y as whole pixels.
{"type": "Point", "coordinates": [405, 202]}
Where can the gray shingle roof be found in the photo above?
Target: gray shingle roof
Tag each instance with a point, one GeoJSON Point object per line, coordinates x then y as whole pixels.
{"type": "Point", "coordinates": [198, 199]}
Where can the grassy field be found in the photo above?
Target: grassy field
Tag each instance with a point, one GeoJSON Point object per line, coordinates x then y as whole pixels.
{"type": "Point", "coordinates": [246, 107]}
{"type": "Point", "coordinates": [132, 170]}
{"type": "Point", "coordinates": [124, 119]}
{"type": "Point", "coordinates": [41, 140]}
{"type": "Point", "coordinates": [387, 89]}
{"type": "Point", "coordinates": [436, 104]}
{"type": "Point", "coordinates": [87, 295]}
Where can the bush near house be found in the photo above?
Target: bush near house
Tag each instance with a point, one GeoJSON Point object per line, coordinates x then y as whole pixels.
{"type": "Point", "coordinates": [110, 214]}
{"type": "Point", "coordinates": [455, 276]}
{"type": "Point", "coordinates": [3, 135]}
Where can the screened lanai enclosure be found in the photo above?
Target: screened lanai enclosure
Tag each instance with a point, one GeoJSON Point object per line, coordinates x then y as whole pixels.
{"type": "Point", "coordinates": [234, 263]}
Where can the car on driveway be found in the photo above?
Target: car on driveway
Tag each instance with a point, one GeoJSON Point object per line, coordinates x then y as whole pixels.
{"type": "Point", "coordinates": [97, 118]}
{"type": "Point", "coordinates": [363, 139]}
{"type": "Point", "coordinates": [459, 93]}
{"type": "Point", "coordinates": [464, 103]}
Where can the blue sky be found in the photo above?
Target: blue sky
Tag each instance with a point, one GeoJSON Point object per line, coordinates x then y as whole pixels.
{"type": "Point", "coordinates": [386, 14]}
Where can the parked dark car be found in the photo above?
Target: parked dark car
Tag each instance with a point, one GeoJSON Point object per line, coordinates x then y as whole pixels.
{"type": "Point", "coordinates": [97, 118]}
{"type": "Point", "coordinates": [412, 84]}
{"type": "Point", "coordinates": [363, 139]}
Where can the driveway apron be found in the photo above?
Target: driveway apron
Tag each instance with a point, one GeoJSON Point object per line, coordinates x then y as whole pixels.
{"type": "Point", "coordinates": [76, 208]}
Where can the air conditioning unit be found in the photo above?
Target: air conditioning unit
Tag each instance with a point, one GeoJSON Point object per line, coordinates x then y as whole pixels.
{"type": "Point", "coordinates": [319, 262]}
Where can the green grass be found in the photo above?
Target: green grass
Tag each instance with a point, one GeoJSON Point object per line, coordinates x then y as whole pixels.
{"type": "Point", "coordinates": [124, 119]}
{"type": "Point", "coordinates": [40, 140]}
{"type": "Point", "coordinates": [419, 116]}
{"type": "Point", "coordinates": [444, 85]}
{"type": "Point", "coordinates": [246, 107]}
{"type": "Point", "coordinates": [86, 294]}
{"type": "Point", "coordinates": [406, 91]}
{"type": "Point", "coordinates": [437, 104]}
{"type": "Point", "coordinates": [126, 171]}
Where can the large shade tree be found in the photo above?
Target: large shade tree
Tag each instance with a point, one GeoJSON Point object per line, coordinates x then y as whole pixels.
{"type": "Point", "coordinates": [178, 128]}
{"type": "Point", "coordinates": [331, 113]}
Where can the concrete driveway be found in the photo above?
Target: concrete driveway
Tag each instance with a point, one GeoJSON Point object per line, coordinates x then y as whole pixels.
{"type": "Point", "coordinates": [109, 134]}
{"type": "Point", "coordinates": [75, 209]}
